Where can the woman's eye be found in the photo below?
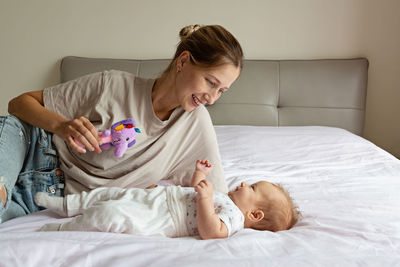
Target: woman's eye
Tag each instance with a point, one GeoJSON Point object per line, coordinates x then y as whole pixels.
{"type": "Point", "coordinates": [252, 186]}
{"type": "Point", "coordinates": [211, 83]}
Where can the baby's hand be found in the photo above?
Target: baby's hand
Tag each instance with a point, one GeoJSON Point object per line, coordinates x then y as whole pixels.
{"type": "Point", "coordinates": [204, 189]}
{"type": "Point", "coordinates": [203, 166]}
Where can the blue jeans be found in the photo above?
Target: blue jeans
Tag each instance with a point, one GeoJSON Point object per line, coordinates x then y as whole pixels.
{"type": "Point", "coordinates": [28, 164]}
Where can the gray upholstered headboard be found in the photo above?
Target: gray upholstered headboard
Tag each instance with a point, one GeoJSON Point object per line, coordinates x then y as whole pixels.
{"type": "Point", "coordinates": [328, 92]}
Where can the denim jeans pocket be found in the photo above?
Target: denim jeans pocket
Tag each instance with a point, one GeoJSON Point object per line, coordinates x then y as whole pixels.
{"type": "Point", "coordinates": [42, 155]}
{"type": "Point", "coordinates": [29, 183]}
{"type": "Point", "coordinates": [44, 138]}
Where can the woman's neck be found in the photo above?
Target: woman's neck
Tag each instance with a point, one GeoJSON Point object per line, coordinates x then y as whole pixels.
{"type": "Point", "coordinates": [163, 96]}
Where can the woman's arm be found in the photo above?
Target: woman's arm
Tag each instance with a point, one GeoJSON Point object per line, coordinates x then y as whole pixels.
{"type": "Point", "coordinates": [208, 223]}
{"type": "Point", "coordinates": [29, 107]}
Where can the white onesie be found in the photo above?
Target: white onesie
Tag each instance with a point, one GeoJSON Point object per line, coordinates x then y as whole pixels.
{"type": "Point", "coordinates": [163, 211]}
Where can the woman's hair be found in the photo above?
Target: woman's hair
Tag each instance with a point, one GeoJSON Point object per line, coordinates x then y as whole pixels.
{"type": "Point", "coordinates": [279, 215]}
{"type": "Point", "coordinates": [209, 45]}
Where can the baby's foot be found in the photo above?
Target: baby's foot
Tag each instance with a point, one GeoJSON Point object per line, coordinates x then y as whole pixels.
{"type": "Point", "coordinates": [204, 166]}
{"type": "Point", "coordinates": [52, 203]}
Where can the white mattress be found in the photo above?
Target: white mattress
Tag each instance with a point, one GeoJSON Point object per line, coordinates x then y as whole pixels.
{"type": "Point", "coordinates": [346, 187]}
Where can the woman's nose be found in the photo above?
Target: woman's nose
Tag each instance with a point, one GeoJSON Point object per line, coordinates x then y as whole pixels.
{"type": "Point", "coordinates": [242, 184]}
{"type": "Point", "coordinates": [210, 98]}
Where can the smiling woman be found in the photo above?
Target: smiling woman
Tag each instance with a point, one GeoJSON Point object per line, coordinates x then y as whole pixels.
{"type": "Point", "coordinates": [207, 61]}
{"type": "Point", "coordinates": [176, 128]}
{"type": "Point", "coordinates": [193, 85]}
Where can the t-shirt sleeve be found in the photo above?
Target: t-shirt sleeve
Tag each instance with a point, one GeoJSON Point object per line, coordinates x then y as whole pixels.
{"type": "Point", "coordinates": [75, 98]}
{"type": "Point", "coordinates": [200, 142]}
{"type": "Point", "coordinates": [211, 150]}
{"type": "Point", "coordinates": [229, 213]}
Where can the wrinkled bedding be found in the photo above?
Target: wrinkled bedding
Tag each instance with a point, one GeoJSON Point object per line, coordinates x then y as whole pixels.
{"type": "Point", "coordinates": [347, 189]}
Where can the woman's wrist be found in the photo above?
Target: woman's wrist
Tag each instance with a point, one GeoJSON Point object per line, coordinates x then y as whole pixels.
{"type": "Point", "coordinates": [58, 125]}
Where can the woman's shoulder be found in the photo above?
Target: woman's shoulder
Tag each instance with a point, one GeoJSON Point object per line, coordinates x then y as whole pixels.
{"type": "Point", "coordinates": [125, 74]}
{"type": "Point", "coordinates": [112, 73]}
{"type": "Point", "coordinates": [128, 78]}
{"type": "Point", "coordinates": [201, 117]}
{"type": "Point", "coordinates": [200, 113]}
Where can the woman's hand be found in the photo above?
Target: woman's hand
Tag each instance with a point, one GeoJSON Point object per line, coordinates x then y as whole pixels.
{"type": "Point", "coordinates": [82, 130]}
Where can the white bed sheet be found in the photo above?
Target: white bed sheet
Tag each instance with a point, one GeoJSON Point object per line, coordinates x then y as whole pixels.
{"type": "Point", "coordinates": [346, 187]}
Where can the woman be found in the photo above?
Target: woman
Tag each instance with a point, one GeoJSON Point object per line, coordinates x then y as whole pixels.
{"type": "Point", "coordinates": [37, 147]}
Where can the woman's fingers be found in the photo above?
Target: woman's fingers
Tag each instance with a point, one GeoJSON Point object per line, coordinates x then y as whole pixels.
{"type": "Point", "coordinates": [75, 146]}
{"type": "Point", "coordinates": [82, 131]}
{"type": "Point", "coordinates": [91, 135]}
{"type": "Point", "coordinates": [82, 137]}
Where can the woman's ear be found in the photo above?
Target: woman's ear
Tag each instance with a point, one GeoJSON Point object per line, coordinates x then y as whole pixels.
{"type": "Point", "coordinates": [255, 215]}
{"type": "Point", "coordinates": [182, 59]}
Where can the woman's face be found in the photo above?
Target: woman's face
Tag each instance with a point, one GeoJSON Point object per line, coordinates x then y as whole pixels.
{"type": "Point", "coordinates": [196, 85]}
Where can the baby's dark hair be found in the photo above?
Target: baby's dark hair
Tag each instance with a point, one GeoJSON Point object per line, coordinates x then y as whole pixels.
{"type": "Point", "coordinates": [279, 214]}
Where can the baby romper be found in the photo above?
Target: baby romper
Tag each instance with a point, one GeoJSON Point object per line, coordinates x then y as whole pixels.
{"type": "Point", "coordinates": [161, 211]}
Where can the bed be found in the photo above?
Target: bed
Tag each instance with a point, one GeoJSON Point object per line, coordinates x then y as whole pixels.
{"type": "Point", "coordinates": [297, 123]}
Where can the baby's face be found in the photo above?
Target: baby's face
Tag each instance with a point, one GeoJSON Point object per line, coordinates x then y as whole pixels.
{"type": "Point", "coordinates": [247, 196]}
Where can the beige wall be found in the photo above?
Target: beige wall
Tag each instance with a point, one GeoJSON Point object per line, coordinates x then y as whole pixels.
{"type": "Point", "coordinates": [35, 35]}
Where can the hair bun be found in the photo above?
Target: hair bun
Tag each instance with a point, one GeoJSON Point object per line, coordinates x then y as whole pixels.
{"type": "Point", "coordinates": [188, 30]}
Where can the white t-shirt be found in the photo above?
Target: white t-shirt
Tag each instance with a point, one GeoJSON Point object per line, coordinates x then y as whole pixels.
{"type": "Point", "coordinates": [224, 207]}
{"type": "Point", "coordinates": [163, 150]}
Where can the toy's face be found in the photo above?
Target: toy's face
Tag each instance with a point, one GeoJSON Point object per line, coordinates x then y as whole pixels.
{"type": "Point", "coordinates": [122, 136]}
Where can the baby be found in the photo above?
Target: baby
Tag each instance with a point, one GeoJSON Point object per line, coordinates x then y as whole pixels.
{"type": "Point", "coordinates": [175, 211]}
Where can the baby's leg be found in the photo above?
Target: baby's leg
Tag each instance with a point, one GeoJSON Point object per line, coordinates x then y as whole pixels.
{"type": "Point", "coordinates": [82, 223]}
{"type": "Point", "coordinates": [76, 203]}
{"type": "Point", "coordinates": [99, 218]}
{"type": "Point", "coordinates": [76, 224]}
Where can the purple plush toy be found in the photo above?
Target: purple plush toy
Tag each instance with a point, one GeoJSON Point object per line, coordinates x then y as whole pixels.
{"type": "Point", "coordinates": [121, 136]}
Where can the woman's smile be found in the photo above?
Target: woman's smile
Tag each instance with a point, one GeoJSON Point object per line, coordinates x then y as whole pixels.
{"type": "Point", "coordinates": [196, 102]}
